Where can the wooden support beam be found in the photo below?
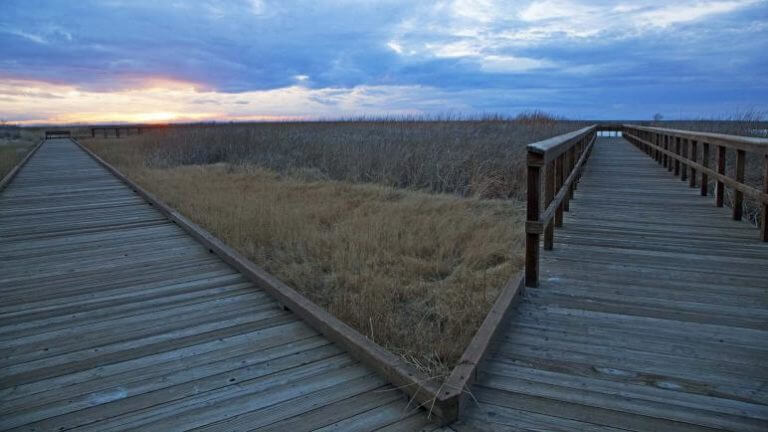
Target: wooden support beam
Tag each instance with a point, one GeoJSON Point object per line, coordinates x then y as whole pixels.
{"type": "Point", "coordinates": [571, 165]}
{"type": "Point", "coordinates": [677, 152]}
{"type": "Point", "coordinates": [692, 178]}
{"type": "Point", "coordinates": [764, 208]}
{"type": "Point", "coordinates": [684, 167]}
{"type": "Point", "coordinates": [670, 147]}
{"type": "Point", "coordinates": [559, 176]}
{"type": "Point", "coordinates": [532, 239]}
{"type": "Point", "coordinates": [705, 162]}
{"type": "Point", "coordinates": [738, 196]}
{"type": "Point", "coordinates": [549, 194]}
{"type": "Point", "coordinates": [719, 185]}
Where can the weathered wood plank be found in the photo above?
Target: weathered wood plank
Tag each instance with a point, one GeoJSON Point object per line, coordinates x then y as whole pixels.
{"type": "Point", "coordinates": [113, 317]}
{"type": "Point", "coordinates": [651, 311]}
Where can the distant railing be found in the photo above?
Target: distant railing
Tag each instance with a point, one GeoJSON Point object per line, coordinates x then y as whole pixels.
{"type": "Point", "coordinates": [105, 130]}
{"type": "Point", "coordinates": [57, 134]}
{"type": "Point", "coordinates": [557, 163]}
{"type": "Point", "coordinates": [678, 151]}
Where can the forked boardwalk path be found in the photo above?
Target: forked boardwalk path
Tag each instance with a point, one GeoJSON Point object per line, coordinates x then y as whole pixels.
{"type": "Point", "coordinates": [651, 315]}
{"type": "Point", "coordinates": [113, 318]}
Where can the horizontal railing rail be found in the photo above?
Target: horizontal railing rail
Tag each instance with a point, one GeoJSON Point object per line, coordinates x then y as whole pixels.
{"type": "Point", "coordinates": [678, 151]}
{"type": "Point", "coordinates": [556, 164]}
{"type": "Point", "coordinates": [104, 130]}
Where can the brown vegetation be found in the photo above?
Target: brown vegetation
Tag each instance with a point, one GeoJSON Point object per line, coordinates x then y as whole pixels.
{"type": "Point", "coordinates": [469, 158]}
{"type": "Point", "coordinates": [355, 215]}
{"type": "Point", "coordinates": [13, 149]}
{"type": "Point", "coordinates": [414, 270]}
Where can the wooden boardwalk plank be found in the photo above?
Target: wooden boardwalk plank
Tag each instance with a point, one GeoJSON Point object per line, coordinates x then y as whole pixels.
{"type": "Point", "coordinates": [651, 314]}
{"type": "Point", "coordinates": [113, 318]}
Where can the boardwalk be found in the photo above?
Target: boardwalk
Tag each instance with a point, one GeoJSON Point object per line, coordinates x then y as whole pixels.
{"type": "Point", "coordinates": [112, 318]}
{"type": "Point", "coordinates": [651, 315]}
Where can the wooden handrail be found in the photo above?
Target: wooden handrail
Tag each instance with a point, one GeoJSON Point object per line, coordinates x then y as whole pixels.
{"type": "Point", "coordinates": [658, 142]}
{"type": "Point", "coordinates": [562, 159]}
{"type": "Point", "coordinates": [749, 144]}
{"type": "Point", "coordinates": [553, 147]}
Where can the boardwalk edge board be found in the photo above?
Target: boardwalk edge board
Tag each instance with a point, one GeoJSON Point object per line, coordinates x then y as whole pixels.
{"type": "Point", "coordinates": [465, 372]}
{"type": "Point", "coordinates": [15, 170]}
{"type": "Point", "coordinates": [421, 389]}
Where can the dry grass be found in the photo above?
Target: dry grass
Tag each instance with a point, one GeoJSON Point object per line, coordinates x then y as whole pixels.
{"type": "Point", "coordinates": [354, 214]}
{"type": "Point", "coordinates": [348, 214]}
{"type": "Point", "coordinates": [13, 150]}
{"type": "Point", "coordinates": [482, 158]}
{"type": "Point", "coordinates": [415, 272]}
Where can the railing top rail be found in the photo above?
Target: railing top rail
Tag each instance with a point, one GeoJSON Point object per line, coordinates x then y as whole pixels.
{"type": "Point", "coordinates": [553, 147]}
{"type": "Point", "coordinates": [750, 144]}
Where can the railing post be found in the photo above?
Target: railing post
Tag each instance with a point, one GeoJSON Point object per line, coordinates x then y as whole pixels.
{"type": "Point", "coordinates": [532, 238]}
{"type": "Point", "coordinates": [117, 132]}
{"type": "Point", "coordinates": [671, 148]}
{"type": "Point", "coordinates": [705, 162]}
{"type": "Point", "coordinates": [719, 185]}
{"type": "Point", "coordinates": [657, 141]}
{"type": "Point", "coordinates": [684, 167]}
{"type": "Point", "coordinates": [738, 196]}
{"type": "Point", "coordinates": [764, 209]}
{"type": "Point", "coordinates": [559, 180]}
{"type": "Point", "coordinates": [549, 194]}
{"type": "Point", "coordinates": [577, 151]}
{"type": "Point", "coordinates": [665, 161]}
{"type": "Point", "coordinates": [571, 164]}
{"type": "Point", "coordinates": [650, 149]}
{"type": "Point", "coordinates": [93, 133]}
{"type": "Point", "coordinates": [692, 179]}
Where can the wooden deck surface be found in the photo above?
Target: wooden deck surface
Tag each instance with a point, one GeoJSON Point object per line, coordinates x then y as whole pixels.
{"type": "Point", "coordinates": [652, 315]}
{"type": "Point", "coordinates": [112, 318]}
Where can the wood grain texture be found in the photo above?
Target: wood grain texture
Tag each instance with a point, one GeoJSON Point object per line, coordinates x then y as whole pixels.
{"type": "Point", "coordinates": [651, 314]}
{"type": "Point", "coordinates": [114, 318]}
{"type": "Point", "coordinates": [423, 390]}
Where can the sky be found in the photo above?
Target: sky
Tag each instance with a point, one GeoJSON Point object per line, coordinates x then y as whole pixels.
{"type": "Point", "coordinates": [107, 61]}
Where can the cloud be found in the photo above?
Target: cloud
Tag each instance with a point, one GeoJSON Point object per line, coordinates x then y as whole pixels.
{"type": "Point", "coordinates": [510, 64]}
{"type": "Point", "coordinates": [459, 55]}
{"type": "Point", "coordinates": [681, 13]}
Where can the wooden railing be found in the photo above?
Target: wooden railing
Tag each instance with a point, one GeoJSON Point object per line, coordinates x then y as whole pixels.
{"type": "Point", "coordinates": [53, 134]}
{"type": "Point", "coordinates": [557, 164]}
{"type": "Point", "coordinates": [678, 151]}
{"type": "Point", "coordinates": [105, 130]}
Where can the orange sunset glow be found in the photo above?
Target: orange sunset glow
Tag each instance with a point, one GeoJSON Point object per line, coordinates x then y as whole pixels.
{"type": "Point", "coordinates": [163, 100]}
